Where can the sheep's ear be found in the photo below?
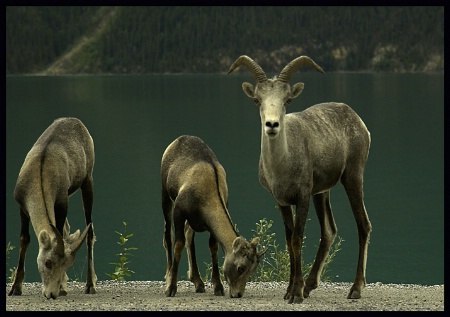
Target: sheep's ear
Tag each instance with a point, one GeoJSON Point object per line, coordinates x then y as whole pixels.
{"type": "Point", "coordinates": [237, 244]}
{"type": "Point", "coordinates": [297, 89]}
{"type": "Point", "coordinates": [248, 89]}
{"type": "Point", "coordinates": [45, 240]}
{"type": "Point", "coordinates": [254, 242]}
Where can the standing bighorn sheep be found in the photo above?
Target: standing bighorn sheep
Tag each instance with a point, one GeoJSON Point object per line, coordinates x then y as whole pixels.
{"type": "Point", "coordinates": [305, 154]}
{"type": "Point", "coordinates": [195, 199]}
{"type": "Point", "coordinates": [59, 163]}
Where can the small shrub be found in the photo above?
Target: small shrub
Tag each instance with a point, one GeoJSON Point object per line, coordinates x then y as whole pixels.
{"type": "Point", "coordinates": [121, 267]}
{"type": "Point", "coordinates": [12, 271]}
{"type": "Point", "coordinates": [275, 264]}
{"type": "Point", "coordinates": [78, 273]}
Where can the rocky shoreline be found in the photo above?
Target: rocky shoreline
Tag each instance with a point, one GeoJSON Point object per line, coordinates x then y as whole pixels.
{"type": "Point", "coordinates": [266, 296]}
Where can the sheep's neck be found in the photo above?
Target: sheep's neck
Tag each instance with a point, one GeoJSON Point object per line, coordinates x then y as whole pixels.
{"type": "Point", "coordinates": [227, 242]}
{"type": "Point", "coordinates": [223, 230]}
{"type": "Point", "coordinates": [37, 212]}
{"type": "Point", "coordinates": [274, 151]}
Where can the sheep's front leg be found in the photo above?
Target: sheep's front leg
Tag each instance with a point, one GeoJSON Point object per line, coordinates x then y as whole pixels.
{"type": "Point", "coordinates": [298, 284]}
{"type": "Point", "coordinates": [63, 288]}
{"type": "Point", "coordinates": [286, 214]}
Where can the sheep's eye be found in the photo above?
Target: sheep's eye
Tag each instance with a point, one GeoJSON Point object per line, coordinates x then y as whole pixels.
{"type": "Point", "coordinates": [48, 264]}
{"type": "Point", "coordinates": [256, 101]}
{"type": "Point", "coordinates": [288, 101]}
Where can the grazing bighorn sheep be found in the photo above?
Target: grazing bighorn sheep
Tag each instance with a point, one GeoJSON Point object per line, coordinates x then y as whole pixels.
{"type": "Point", "coordinates": [59, 163]}
{"type": "Point", "coordinates": [305, 154]}
{"type": "Point", "coordinates": [195, 199]}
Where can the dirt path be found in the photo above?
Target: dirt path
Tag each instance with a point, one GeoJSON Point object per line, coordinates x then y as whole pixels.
{"type": "Point", "coordinates": [268, 296]}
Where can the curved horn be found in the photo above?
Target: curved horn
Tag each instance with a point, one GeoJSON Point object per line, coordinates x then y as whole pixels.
{"type": "Point", "coordinates": [77, 243]}
{"type": "Point", "coordinates": [256, 70]}
{"type": "Point", "coordinates": [292, 67]}
{"type": "Point", "coordinates": [60, 243]}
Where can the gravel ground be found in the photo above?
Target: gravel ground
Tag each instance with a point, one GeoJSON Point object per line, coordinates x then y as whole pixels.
{"type": "Point", "coordinates": [268, 296]}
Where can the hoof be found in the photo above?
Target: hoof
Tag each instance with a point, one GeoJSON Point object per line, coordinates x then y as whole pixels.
{"type": "Point", "coordinates": [295, 300]}
{"type": "Point", "coordinates": [170, 292]}
{"type": "Point", "coordinates": [354, 294]}
{"type": "Point", "coordinates": [309, 287]}
{"type": "Point", "coordinates": [219, 291]}
{"type": "Point", "coordinates": [15, 292]}
{"type": "Point", "coordinates": [306, 293]}
{"type": "Point", "coordinates": [90, 290]}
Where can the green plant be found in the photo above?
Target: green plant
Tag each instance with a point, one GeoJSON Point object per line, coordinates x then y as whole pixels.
{"type": "Point", "coordinates": [208, 271]}
{"type": "Point", "coordinates": [121, 270]}
{"type": "Point", "coordinates": [12, 271]}
{"type": "Point", "coordinates": [274, 265]}
{"type": "Point", "coordinates": [77, 277]}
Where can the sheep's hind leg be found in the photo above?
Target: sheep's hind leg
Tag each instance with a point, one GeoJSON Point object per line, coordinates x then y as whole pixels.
{"type": "Point", "coordinates": [328, 232]}
{"type": "Point", "coordinates": [194, 275]}
{"type": "Point", "coordinates": [19, 276]}
{"type": "Point", "coordinates": [167, 236]}
{"type": "Point", "coordinates": [354, 188]}
{"type": "Point", "coordinates": [215, 275]}
{"type": "Point", "coordinates": [180, 240]}
{"type": "Point", "coordinates": [88, 198]}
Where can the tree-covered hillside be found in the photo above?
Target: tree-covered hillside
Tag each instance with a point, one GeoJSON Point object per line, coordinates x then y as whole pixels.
{"type": "Point", "coordinates": [155, 39]}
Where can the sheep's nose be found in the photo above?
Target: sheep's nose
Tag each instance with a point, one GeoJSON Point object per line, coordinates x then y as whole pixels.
{"type": "Point", "coordinates": [272, 124]}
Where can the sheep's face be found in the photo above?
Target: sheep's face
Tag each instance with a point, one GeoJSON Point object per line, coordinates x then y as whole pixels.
{"type": "Point", "coordinates": [55, 257]}
{"type": "Point", "coordinates": [240, 264]}
{"type": "Point", "coordinates": [272, 98]}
